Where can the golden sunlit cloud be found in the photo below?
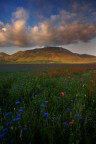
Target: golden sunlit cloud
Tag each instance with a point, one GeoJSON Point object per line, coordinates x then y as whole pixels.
{"type": "Point", "coordinates": [4, 29]}
{"type": "Point", "coordinates": [61, 29]}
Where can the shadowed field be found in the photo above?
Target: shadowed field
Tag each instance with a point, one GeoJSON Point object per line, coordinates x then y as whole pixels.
{"type": "Point", "coordinates": [32, 66]}
{"type": "Point", "coordinates": [48, 104]}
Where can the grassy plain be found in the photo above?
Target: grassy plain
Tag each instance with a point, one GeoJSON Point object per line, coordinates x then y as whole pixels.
{"type": "Point", "coordinates": [48, 106]}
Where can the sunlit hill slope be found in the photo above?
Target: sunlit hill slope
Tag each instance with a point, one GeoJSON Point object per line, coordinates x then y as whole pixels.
{"type": "Point", "coordinates": [46, 55]}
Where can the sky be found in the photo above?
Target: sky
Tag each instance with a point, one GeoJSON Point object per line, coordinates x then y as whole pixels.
{"type": "Point", "coordinates": [29, 24]}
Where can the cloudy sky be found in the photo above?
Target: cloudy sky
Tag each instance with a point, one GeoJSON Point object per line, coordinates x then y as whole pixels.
{"type": "Point", "coordinates": [27, 24]}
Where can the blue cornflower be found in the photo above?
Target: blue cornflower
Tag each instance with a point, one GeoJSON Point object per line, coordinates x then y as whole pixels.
{"type": "Point", "coordinates": [65, 93]}
{"type": "Point", "coordinates": [36, 95]}
{"type": "Point", "coordinates": [16, 119]}
{"type": "Point", "coordinates": [18, 115]}
{"type": "Point", "coordinates": [17, 103]}
{"type": "Point", "coordinates": [76, 115]}
{"type": "Point", "coordinates": [24, 129]}
{"type": "Point", "coordinates": [68, 109]}
{"type": "Point", "coordinates": [46, 101]}
{"type": "Point", "coordinates": [2, 136]}
{"type": "Point", "coordinates": [7, 114]}
{"type": "Point", "coordinates": [46, 114]}
{"type": "Point", "coordinates": [8, 123]}
{"type": "Point", "coordinates": [65, 123]}
{"type": "Point", "coordinates": [82, 119]}
{"type": "Point", "coordinates": [20, 110]}
{"type": "Point", "coordinates": [72, 100]}
{"type": "Point", "coordinates": [42, 105]}
{"type": "Point", "coordinates": [5, 130]}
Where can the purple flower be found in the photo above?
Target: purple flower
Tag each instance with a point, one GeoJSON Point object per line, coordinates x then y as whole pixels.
{"type": "Point", "coordinates": [46, 114]}
{"type": "Point", "coordinates": [17, 103]}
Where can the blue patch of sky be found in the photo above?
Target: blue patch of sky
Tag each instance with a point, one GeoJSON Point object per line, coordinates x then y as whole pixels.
{"type": "Point", "coordinates": [37, 8]}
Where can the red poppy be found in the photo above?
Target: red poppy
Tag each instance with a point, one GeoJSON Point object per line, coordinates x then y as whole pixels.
{"type": "Point", "coordinates": [91, 90]}
{"type": "Point", "coordinates": [91, 81]}
{"type": "Point", "coordinates": [82, 80]}
{"type": "Point", "coordinates": [68, 76]}
{"type": "Point", "coordinates": [62, 94]}
{"type": "Point", "coordinates": [71, 123]}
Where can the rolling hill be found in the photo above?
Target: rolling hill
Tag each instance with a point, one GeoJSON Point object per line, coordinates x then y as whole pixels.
{"type": "Point", "coordinates": [47, 55]}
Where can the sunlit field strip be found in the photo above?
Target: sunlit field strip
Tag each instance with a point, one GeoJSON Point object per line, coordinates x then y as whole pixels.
{"type": "Point", "coordinates": [56, 105]}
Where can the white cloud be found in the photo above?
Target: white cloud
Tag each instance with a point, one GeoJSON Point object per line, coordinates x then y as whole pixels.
{"type": "Point", "coordinates": [61, 29]}
{"type": "Point", "coordinates": [19, 14]}
{"type": "Point", "coordinates": [4, 29]}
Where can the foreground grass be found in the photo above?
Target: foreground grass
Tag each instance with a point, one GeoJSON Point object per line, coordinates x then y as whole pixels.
{"type": "Point", "coordinates": [48, 106]}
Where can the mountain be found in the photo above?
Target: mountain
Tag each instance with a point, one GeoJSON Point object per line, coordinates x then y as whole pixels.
{"type": "Point", "coordinates": [47, 55]}
{"type": "Point", "coordinates": [3, 57]}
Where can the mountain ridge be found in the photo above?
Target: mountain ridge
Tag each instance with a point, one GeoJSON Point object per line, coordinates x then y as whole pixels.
{"type": "Point", "coordinates": [47, 55]}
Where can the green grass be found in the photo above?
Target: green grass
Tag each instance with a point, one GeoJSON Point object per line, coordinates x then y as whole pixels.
{"type": "Point", "coordinates": [43, 114]}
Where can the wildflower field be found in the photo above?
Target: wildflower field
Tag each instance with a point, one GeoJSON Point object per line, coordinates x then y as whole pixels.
{"type": "Point", "coordinates": [48, 106]}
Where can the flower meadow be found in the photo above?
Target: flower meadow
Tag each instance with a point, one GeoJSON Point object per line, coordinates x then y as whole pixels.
{"type": "Point", "coordinates": [48, 106]}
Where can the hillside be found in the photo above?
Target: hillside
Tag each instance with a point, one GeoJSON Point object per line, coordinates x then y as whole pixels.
{"type": "Point", "coordinates": [47, 55]}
